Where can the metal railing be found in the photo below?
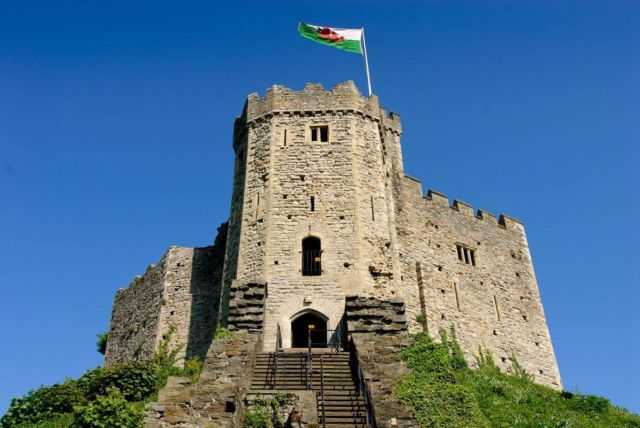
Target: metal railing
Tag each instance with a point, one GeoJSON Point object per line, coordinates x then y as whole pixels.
{"type": "Point", "coordinates": [324, 418]}
{"type": "Point", "coordinates": [363, 389]}
{"type": "Point", "coordinates": [329, 339]}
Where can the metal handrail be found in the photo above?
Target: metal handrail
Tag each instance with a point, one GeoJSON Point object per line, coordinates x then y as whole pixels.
{"type": "Point", "coordinates": [363, 390]}
{"type": "Point", "coordinates": [334, 342]}
{"type": "Point", "coordinates": [324, 419]}
{"type": "Point", "coordinates": [309, 364]}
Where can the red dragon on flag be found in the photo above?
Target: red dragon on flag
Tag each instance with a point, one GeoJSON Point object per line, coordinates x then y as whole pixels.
{"type": "Point", "coordinates": [329, 36]}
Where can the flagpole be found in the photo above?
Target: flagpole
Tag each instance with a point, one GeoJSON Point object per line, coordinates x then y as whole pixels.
{"type": "Point", "coordinates": [366, 61]}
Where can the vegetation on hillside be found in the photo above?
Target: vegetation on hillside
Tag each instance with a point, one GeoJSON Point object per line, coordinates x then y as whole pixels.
{"type": "Point", "coordinates": [102, 397]}
{"type": "Point", "coordinates": [442, 391]}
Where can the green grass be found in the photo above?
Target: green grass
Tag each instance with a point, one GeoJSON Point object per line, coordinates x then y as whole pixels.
{"type": "Point", "coordinates": [442, 391]}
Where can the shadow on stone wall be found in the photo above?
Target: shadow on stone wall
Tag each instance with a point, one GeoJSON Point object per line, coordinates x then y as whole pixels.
{"type": "Point", "coordinates": [205, 288]}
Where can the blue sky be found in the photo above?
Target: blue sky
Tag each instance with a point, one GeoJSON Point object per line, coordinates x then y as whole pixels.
{"type": "Point", "coordinates": [115, 143]}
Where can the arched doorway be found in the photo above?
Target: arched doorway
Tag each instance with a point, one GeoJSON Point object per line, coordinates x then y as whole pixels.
{"type": "Point", "coordinates": [301, 326]}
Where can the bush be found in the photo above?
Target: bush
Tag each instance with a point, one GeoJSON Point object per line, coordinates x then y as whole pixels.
{"type": "Point", "coordinates": [590, 404]}
{"type": "Point", "coordinates": [42, 404]}
{"type": "Point", "coordinates": [136, 381]}
{"type": "Point", "coordinates": [101, 343]}
{"type": "Point", "coordinates": [223, 333]}
{"type": "Point", "coordinates": [192, 368]}
{"type": "Point", "coordinates": [443, 392]}
{"type": "Point", "coordinates": [266, 411]}
{"type": "Point", "coordinates": [109, 411]}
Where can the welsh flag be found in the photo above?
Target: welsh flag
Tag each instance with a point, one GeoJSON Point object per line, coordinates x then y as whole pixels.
{"type": "Point", "coordinates": [346, 39]}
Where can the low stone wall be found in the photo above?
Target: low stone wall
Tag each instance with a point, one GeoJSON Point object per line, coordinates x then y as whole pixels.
{"type": "Point", "coordinates": [372, 315]}
{"type": "Point", "coordinates": [381, 365]}
{"type": "Point", "coordinates": [217, 399]}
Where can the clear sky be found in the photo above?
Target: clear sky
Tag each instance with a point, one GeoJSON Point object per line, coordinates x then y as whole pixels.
{"type": "Point", "coordinates": [115, 142]}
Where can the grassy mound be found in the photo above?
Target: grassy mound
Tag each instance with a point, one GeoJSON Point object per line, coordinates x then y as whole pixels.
{"type": "Point", "coordinates": [442, 391]}
{"type": "Point", "coordinates": [103, 397]}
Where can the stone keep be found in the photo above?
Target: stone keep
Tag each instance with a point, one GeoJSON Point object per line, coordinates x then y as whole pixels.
{"type": "Point", "coordinates": [324, 221]}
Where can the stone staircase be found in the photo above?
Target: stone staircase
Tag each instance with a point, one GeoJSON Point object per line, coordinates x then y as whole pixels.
{"type": "Point", "coordinates": [340, 404]}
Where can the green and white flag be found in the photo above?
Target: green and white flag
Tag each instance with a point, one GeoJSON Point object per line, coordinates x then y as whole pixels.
{"type": "Point", "coordinates": [346, 39]}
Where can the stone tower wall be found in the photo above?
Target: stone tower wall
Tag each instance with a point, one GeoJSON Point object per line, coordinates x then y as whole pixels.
{"type": "Point", "coordinates": [346, 176]}
{"type": "Point", "coordinates": [494, 304]}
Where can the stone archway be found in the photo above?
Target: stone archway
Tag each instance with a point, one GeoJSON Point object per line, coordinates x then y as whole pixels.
{"type": "Point", "coordinates": [309, 325]}
{"type": "Point", "coordinates": [278, 333]}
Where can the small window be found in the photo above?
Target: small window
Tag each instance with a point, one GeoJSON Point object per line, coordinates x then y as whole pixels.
{"type": "Point", "coordinates": [313, 203]}
{"type": "Point", "coordinates": [311, 256]}
{"type": "Point", "coordinates": [466, 254]}
{"type": "Point", "coordinates": [320, 133]}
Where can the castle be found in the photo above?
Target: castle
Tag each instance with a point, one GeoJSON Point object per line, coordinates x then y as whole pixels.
{"type": "Point", "coordinates": [326, 231]}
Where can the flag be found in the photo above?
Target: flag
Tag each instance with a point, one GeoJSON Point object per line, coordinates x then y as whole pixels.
{"type": "Point", "coordinates": [342, 38]}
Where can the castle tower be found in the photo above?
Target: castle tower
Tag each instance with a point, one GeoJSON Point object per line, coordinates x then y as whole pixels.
{"type": "Point", "coordinates": [326, 230]}
{"type": "Point", "coordinates": [311, 214]}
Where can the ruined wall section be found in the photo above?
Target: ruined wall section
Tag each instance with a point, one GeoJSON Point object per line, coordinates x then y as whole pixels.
{"type": "Point", "coordinates": [494, 303]}
{"type": "Point", "coordinates": [134, 317]}
{"type": "Point", "coordinates": [183, 291]}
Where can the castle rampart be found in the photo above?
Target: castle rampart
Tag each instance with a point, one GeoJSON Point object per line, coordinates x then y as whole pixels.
{"type": "Point", "coordinates": [473, 272]}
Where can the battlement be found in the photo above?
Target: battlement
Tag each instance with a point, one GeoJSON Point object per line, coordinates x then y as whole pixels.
{"type": "Point", "coordinates": [433, 196]}
{"type": "Point", "coordinates": [313, 100]}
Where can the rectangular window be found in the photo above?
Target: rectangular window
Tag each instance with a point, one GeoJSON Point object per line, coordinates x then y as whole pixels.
{"type": "Point", "coordinates": [320, 134]}
{"type": "Point", "coordinates": [466, 254]}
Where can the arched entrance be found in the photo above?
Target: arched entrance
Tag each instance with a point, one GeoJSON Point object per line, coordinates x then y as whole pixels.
{"type": "Point", "coordinates": [301, 326]}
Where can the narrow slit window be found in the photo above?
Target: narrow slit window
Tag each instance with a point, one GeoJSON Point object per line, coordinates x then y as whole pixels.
{"type": "Point", "coordinates": [314, 134]}
{"type": "Point", "coordinates": [284, 140]}
{"type": "Point", "coordinates": [373, 213]}
{"type": "Point", "coordinates": [495, 306]}
{"type": "Point", "coordinates": [459, 248]}
{"type": "Point", "coordinates": [313, 203]}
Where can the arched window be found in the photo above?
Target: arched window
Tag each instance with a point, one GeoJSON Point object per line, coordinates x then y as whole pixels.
{"type": "Point", "coordinates": [311, 256]}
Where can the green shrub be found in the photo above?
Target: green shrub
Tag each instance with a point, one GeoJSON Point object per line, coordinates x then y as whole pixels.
{"type": "Point", "coordinates": [109, 411]}
{"type": "Point", "coordinates": [42, 404]}
{"type": "Point", "coordinates": [518, 370]}
{"type": "Point", "coordinates": [266, 411]}
{"type": "Point", "coordinates": [192, 368]}
{"type": "Point", "coordinates": [136, 381]}
{"type": "Point", "coordinates": [258, 418]}
{"type": "Point", "coordinates": [590, 404]}
{"type": "Point", "coordinates": [442, 392]}
{"type": "Point", "coordinates": [101, 343]}
{"type": "Point", "coordinates": [223, 333]}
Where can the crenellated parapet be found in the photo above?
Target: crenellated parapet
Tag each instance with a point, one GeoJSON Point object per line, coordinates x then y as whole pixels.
{"type": "Point", "coordinates": [344, 98]}
{"type": "Point", "coordinates": [462, 208]}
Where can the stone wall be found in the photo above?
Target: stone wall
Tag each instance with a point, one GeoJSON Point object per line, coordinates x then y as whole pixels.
{"type": "Point", "coordinates": [182, 290]}
{"type": "Point", "coordinates": [352, 212]}
{"type": "Point", "coordinates": [492, 300]}
{"type": "Point", "coordinates": [371, 315]}
{"type": "Point", "coordinates": [381, 365]}
{"type": "Point", "coordinates": [217, 399]}
{"type": "Point", "coordinates": [134, 318]}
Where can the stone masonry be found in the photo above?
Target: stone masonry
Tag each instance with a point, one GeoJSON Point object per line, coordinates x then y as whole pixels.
{"type": "Point", "coordinates": [327, 165]}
